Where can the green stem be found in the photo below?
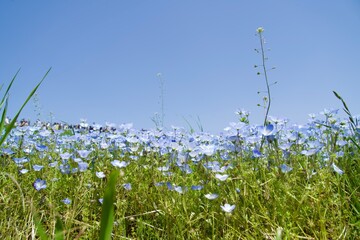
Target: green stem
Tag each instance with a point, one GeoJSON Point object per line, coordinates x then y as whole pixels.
{"type": "Point", "coordinates": [266, 78]}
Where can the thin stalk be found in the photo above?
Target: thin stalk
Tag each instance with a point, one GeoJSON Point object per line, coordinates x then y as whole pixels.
{"type": "Point", "coordinates": [265, 75]}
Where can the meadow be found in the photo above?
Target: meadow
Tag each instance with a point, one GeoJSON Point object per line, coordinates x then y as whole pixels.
{"type": "Point", "coordinates": [250, 182]}
{"type": "Point", "coordinates": [271, 181]}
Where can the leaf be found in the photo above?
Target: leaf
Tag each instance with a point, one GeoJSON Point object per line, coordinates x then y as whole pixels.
{"type": "Point", "coordinates": [59, 229]}
{"type": "Point", "coordinates": [11, 125]}
{"type": "Point", "coordinates": [40, 228]}
{"type": "Point", "coordinates": [107, 215]}
{"type": "Point", "coordinates": [3, 117]}
{"type": "Point", "coordinates": [8, 88]}
{"type": "Point", "coordinates": [351, 119]}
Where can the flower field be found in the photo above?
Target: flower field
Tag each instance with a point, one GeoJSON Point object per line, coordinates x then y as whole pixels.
{"type": "Point", "coordinates": [281, 181]}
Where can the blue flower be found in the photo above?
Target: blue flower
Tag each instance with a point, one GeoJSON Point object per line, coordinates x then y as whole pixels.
{"type": "Point", "coordinates": [285, 168]}
{"type": "Point", "coordinates": [310, 151]}
{"type": "Point", "coordinates": [268, 130]}
{"type": "Point", "coordinates": [23, 171]}
{"type": "Point", "coordinates": [39, 184]}
{"type": "Point", "coordinates": [117, 163]}
{"type": "Point", "coordinates": [211, 196]}
{"type": "Point", "coordinates": [65, 156]}
{"type": "Point", "coordinates": [100, 174]}
{"type": "Point", "coordinates": [228, 208]}
{"type": "Point", "coordinates": [67, 201]}
{"type": "Point", "coordinates": [221, 177]}
{"type": "Point", "coordinates": [127, 186]}
{"type": "Point", "coordinates": [53, 164]}
{"type": "Point", "coordinates": [20, 161]}
{"type": "Point", "coordinates": [179, 189]}
{"type": "Point", "coordinates": [197, 187]}
{"type": "Point", "coordinates": [84, 153]}
{"type": "Point", "coordinates": [41, 148]}
{"type": "Point", "coordinates": [37, 167]}
{"type": "Point", "coordinates": [83, 166]}
{"type": "Point", "coordinates": [256, 153]}
{"type": "Point", "coordinates": [337, 169]}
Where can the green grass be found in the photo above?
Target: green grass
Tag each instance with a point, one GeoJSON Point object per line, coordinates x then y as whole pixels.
{"type": "Point", "coordinates": [270, 204]}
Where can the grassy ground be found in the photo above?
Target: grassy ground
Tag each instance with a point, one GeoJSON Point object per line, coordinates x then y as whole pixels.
{"type": "Point", "coordinates": [167, 198]}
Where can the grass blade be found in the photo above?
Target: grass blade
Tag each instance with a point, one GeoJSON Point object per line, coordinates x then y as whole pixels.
{"type": "Point", "coordinates": [59, 229]}
{"type": "Point", "coordinates": [3, 117]}
{"type": "Point", "coordinates": [107, 215]}
{"type": "Point", "coordinates": [8, 88]}
{"type": "Point", "coordinates": [40, 229]}
{"type": "Point", "coordinates": [12, 123]}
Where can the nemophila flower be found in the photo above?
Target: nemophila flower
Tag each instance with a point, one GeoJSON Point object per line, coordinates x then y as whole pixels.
{"type": "Point", "coordinates": [20, 161]}
{"type": "Point", "coordinates": [23, 171]}
{"type": "Point", "coordinates": [159, 184]}
{"type": "Point", "coordinates": [101, 200]}
{"type": "Point", "coordinates": [84, 153]}
{"type": "Point", "coordinates": [117, 163]}
{"type": "Point", "coordinates": [83, 166]}
{"type": "Point", "coordinates": [65, 156]}
{"type": "Point", "coordinates": [37, 167]}
{"type": "Point", "coordinates": [64, 168]}
{"type": "Point", "coordinates": [169, 186]}
{"type": "Point", "coordinates": [164, 169]}
{"type": "Point", "coordinates": [340, 153]}
{"type": "Point", "coordinates": [221, 177]}
{"type": "Point", "coordinates": [211, 196]}
{"type": "Point", "coordinates": [228, 208]}
{"type": "Point", "coordinates": [256, 153]}
{"type": "Point", "coordinates": [309, 152]}
{"type": "Point", "coordinates": [186, 168]}
{"type": "Point", "coordinates": [53, 164]}
{"type": "Point", "coordinates": [77, 160]}
{"type": "Point", "coordinates": [66, 201]}
{"type": "Point", "coordinates": [104, 145]}
{"type": "Point", "coordinates": [39, 184]}
{"type": "Point", "coordinates": [197, 187]}
{"type": "Point", "coordinates": [337, 169]}
{"type": "Point", "coordinates": [179, 189]}
{"type": "Point", "coordinates": [41, 148]}
{"type": "Point", "coordinates": [341, 143]}
{"type": "Point", "coordinates": [268, 130]}
{"type": "Point", "coordinates": [285, 168]}
{"type": "Point", "coordinates": [100, 174]}
{"type": "Point", "coordinates": [8, 151]}
{"type": "Point", "coordinates": [208, 150]}
{"type": "Point", "coordinates": [44, 133]}
{"type": "Point", "coordinates": [127, 186]}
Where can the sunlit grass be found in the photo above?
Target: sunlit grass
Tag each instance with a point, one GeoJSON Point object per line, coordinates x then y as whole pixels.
{"type": "Point", "coordinates": [311, 201]}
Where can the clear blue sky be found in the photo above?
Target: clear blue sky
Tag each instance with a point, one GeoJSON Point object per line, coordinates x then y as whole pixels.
{"type": "Point", "coordinates": [105, 56]}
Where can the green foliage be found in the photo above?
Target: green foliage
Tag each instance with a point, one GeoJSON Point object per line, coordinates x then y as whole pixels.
{"type": "Point", "coordinates": [5, 129]}
{"type": "Point", "coordinates": [270, 204]}
{"type": "Point", "coordinates": [354, 124]}
{"type": "Point", "coordinates": [107, 216]}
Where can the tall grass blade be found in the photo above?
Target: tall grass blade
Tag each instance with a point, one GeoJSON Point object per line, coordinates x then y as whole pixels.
{"type": "Point", "coordinates": [347, 111]}
{"type": "Point", "coordinates": [40, 228]}
{"type": "Point", "coordinates": [107, 215]}
{"type": "Point", "coordinates": [12, 123]}
{"type": "Point", "coordinates": [8, 89]}
{"type": "Point", "coordinates": [59, 229]}
{"type": "Point", "coordinates": [3, 117]}
{"type": "Point", "coordinates": [353, 124]}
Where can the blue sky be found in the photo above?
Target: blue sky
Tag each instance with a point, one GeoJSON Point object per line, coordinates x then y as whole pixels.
{"type": "Point", "coordinates": [105, 56]}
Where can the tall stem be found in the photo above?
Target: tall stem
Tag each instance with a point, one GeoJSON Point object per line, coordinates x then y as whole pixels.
{"type": "Point", "coordinates": [265, 74]}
